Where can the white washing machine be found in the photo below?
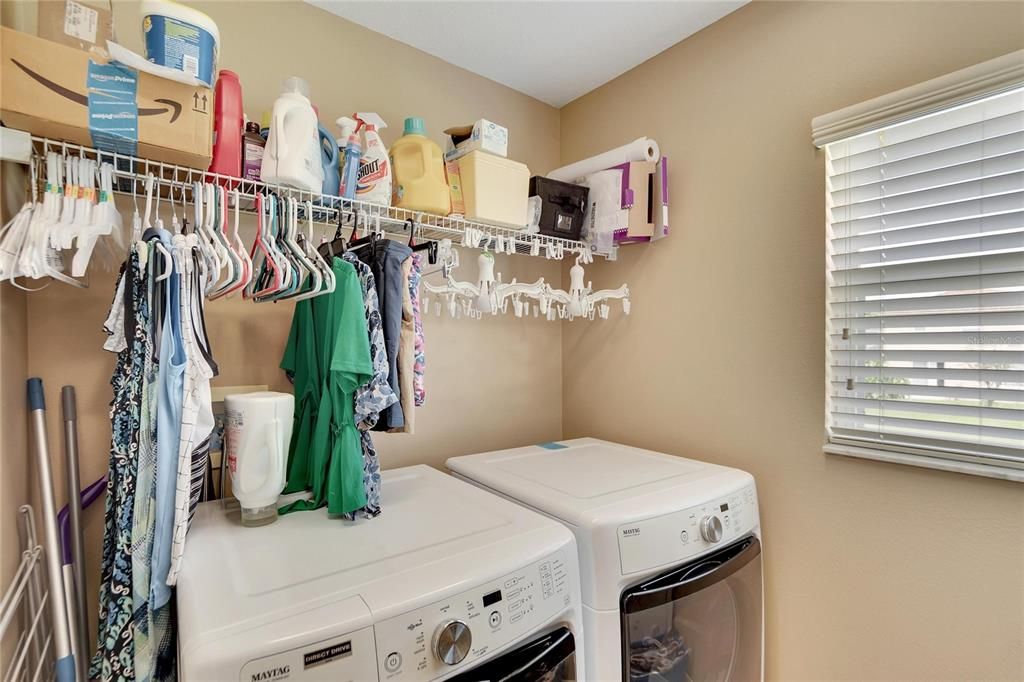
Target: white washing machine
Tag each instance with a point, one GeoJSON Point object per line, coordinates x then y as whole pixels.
{"type": "Point", "coordinates": [670, 554]}
{"type": "Point", "coordinates": [450, 582]}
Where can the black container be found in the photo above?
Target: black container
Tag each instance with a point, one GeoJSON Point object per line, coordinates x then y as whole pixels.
{"type": "Point", "coordinates": [562, 206]}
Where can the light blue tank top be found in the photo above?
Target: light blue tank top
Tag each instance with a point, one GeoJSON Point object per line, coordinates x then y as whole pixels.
{"type": "Point", "coordinates": [170, 384]}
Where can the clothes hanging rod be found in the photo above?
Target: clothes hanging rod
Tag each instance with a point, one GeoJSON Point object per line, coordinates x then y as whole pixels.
{"type": "Point", "coordinates": [394, 221]}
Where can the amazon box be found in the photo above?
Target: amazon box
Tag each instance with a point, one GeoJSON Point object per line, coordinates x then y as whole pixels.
{"type": "Point", "coordinates": [77, 24]}
{"type": "Point", "coordinates": [56, 91]}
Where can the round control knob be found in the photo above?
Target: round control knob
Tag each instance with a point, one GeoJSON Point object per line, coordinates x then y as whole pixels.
{"type": "Point", "coordinates": [711, 528]}
{"type": "Point", "coordinates": [452, 642]}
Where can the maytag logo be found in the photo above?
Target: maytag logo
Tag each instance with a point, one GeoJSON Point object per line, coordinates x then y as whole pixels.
{"type": "Point", "coordinates": [627, 532]}
{"type": "Point", "coordinates": [272, 674]}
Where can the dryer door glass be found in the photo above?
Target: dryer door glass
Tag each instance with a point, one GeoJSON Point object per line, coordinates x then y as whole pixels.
{"type": "Point", "coordinates": [551, 658]}
{"type": "Point", "coordinates": [699, 621]}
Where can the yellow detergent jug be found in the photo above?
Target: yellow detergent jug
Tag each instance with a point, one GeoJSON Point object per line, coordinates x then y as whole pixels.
{"type": "Point", "coordinates": [418, 167]}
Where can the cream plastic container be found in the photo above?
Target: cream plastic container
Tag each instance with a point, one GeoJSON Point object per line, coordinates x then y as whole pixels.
{"type": "Point", "coordinates": [417, 165]}
{"type": "Point", "coordinates": [494, 189]}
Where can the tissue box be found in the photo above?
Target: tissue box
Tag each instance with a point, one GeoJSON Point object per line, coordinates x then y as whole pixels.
{"type": "Point", "coordinates": [483, 135]}
{"type": "Point", "coordinates": [58, 92]}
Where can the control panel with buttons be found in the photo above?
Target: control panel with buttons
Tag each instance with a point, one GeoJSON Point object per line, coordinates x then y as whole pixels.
{"type": "Point", "coordinates": [680, 535]}
{"type": "Point", "coordinates": [455, 632]}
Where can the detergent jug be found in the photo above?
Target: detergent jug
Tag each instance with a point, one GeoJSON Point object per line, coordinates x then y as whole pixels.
{"type": "Point", "coordinates": [257, 430]}
{"type": "Point", "coordinates": [292, 155]}
{"type": "Point", "coordinates": [329, 161]}
{"type": "Point", "coordinates": [418, 167]}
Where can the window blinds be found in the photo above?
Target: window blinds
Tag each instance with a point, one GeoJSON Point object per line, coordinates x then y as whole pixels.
{"type": "Point", "coordinates": [926, 284]}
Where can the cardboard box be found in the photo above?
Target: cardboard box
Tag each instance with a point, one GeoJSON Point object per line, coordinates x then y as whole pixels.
{"type": "Point", "coordinates": [55, 91]}
{"type": "Point", "coordinates": [483, 135]}
{"type": "Point", "coordinates": [455, 187]}
{"type": "Point", "coordinates": [80, 24]}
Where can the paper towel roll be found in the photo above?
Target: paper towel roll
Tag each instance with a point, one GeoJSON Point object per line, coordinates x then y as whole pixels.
{"type": "Point", "coordinates": [641, 149]}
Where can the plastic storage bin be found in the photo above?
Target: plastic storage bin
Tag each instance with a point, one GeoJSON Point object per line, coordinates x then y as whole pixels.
{"type": "Point", "coordinates": [494, 190]}
{"type": "Point", "coordinates": [563, 205]}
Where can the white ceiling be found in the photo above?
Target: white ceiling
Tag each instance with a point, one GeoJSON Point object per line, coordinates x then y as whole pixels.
{"type": "Point", "coordinates": [554, 50]}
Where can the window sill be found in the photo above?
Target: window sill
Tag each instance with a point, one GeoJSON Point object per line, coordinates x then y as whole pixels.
{"type": "Point", "coordinates": [956, 466]}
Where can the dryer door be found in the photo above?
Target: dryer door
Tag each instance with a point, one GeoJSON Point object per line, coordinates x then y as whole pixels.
{"type": "Point", "coordinates": [698, 621]}
{"type": "Point", "coordinates": [551, 658]}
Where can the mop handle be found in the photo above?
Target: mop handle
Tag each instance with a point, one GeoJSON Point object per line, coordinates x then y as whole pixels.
{"type": "Point", "coordinates": [65, 670]}
{"type": "Point", "coordinates": [80, 613]}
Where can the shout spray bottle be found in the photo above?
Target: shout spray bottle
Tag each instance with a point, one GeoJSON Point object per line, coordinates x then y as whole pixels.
{"type": "Point", "coordinates": [374, 184]}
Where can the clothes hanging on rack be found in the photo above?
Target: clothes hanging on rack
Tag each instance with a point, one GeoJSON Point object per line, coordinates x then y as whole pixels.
{"type": "Point", "coordinates": [341, 355]}
{"type": "Point", "coordinates": [385, 259]}
{"type": "Point", "coordinates": [420, 362]}
{"type": "Point", "coordinates": [159, 451]}
{"type": "Point", "coordinates": [375, 395]}
{"type": "Point", "coordinates": [128, 328]}
{"type": "Point", "coordinates": [406, 354]}
{"type": "Point", "coordinates": [143, 520]}
{"type": "Point", "coordinates": [197, 421]}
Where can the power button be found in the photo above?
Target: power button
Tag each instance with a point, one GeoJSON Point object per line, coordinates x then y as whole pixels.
{"type": "Point", "coordinates": [393, 662]}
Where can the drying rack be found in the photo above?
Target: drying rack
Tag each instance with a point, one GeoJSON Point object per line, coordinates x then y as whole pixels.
{"type": "Point", "coordinates": [393, 222]}
{"type": "Point", "coordinates": [24, 608]}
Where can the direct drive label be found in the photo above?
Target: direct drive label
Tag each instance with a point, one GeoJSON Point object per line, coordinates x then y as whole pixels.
{"type": "Point", "coordinates": [326, 655]}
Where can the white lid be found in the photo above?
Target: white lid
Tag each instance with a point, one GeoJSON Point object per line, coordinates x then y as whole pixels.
{"type": "Point", "coordinates": [436, 536]}
{"type": "Point", "coordinates": [587, 481]}
{"type": "Point", "coordinates": [295, 84]}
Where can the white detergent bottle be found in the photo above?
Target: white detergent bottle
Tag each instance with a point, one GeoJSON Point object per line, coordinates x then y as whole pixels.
{"type": "Point", "coordinates": [374, 185]}
{"type": "Point", "coordinates": [292, 154]}
{"type": "Point", "coordinates": [258, 429]}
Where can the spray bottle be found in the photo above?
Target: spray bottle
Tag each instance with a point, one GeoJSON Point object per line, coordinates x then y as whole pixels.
{"type": "Point", "coordinates": [374, 185]}
{"type": "Point", "coordinates": [350, 164]}
{"type": "Point", "coordinates": [347, 127]}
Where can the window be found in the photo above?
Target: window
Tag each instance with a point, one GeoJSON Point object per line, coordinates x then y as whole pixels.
{"type": "Point", "coordinates": [925, 288]}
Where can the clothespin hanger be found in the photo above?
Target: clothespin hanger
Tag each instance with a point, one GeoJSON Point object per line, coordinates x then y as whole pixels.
{"type": "Point", "coordinates": [430, 247]}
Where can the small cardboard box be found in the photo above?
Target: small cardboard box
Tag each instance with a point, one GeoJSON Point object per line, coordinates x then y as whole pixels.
{"type": "Point", "coordinates": [78, 24]}
{"type": "Point", "coordinates": [483, 135]}
{"type": "Point", "coordinates": [46, 91]}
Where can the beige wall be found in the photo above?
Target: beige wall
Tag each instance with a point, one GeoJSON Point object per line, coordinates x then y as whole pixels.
{"type": "Point", "coordinates": [491, 383]}
{"type": "Point", "coordinates": [873, 571]}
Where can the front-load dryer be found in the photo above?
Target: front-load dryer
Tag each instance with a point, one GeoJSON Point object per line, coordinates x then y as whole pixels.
{"type": "Point", "coordinates": [448, 583]}
{"type": "Point", "coordinates": [670, 554]}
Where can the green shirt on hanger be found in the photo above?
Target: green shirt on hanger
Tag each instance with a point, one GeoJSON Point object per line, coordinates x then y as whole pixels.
{"type": "Point", "coordinates": [340, 346]}
{"type": "Point", "coordinates": [302, 365]}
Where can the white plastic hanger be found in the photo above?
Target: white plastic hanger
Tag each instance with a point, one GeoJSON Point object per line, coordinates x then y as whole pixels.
{"type": "Point", "coordinates": [311, 269]}
{"type": "Point", "coordinates": [232, 261]}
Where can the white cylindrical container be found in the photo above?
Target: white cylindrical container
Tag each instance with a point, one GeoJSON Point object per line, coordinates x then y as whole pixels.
{"type": "Point", "coordinates": [182, 38]}
{"type": "Point", "coordinates": [258, 428]}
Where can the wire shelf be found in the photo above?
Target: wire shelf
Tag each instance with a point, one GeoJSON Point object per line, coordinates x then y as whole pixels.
{"type": "Point", "coordinates": [131, 173]}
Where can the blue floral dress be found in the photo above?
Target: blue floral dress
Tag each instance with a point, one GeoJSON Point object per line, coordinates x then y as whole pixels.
{"type": "Point", "coordinates": [376, 394]}
{"type": "Point", "coordinates": [128, 325]}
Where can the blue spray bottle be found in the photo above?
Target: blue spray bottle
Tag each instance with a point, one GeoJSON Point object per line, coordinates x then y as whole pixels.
{"type": "Point", "coordinates": [350, 169]}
